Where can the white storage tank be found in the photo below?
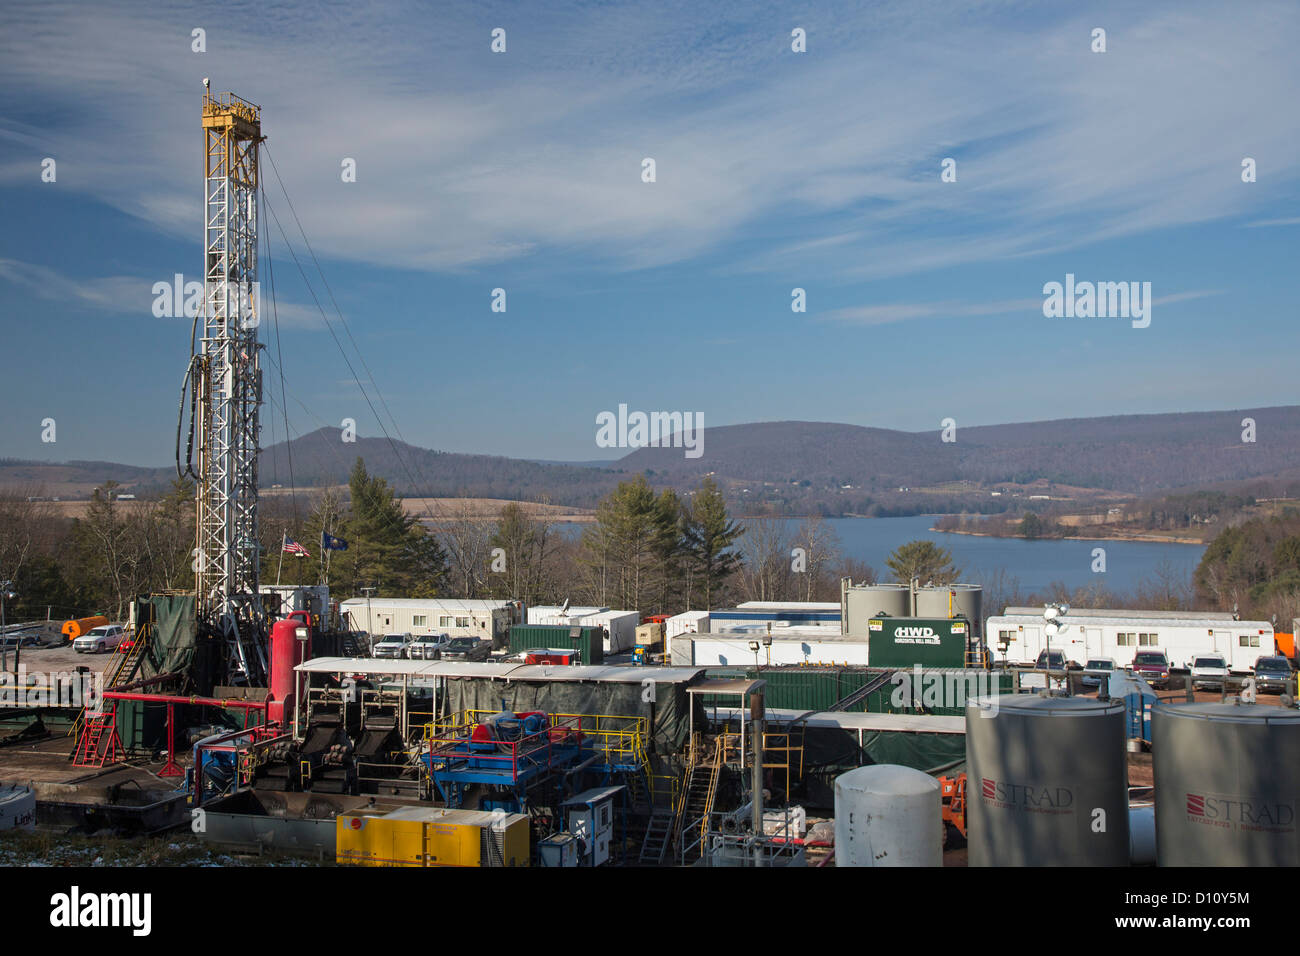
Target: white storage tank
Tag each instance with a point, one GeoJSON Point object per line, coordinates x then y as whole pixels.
{"type": "Point", "coordinates": [17, 807]}
{"type": "Point", "coordinates": [888, 816]}
{"type": "Point", "coordinates": [1226, 784]}
{"type": "Point", "coordinates": [1048, 782]}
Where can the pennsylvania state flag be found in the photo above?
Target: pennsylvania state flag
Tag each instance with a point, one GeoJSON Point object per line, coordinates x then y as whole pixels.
{"type": "Point", "coordinates": [330, 543]}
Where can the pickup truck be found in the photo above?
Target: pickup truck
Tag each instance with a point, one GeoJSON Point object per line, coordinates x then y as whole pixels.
{"type": "Point", "coordinates": [428, 647]}
{"type": "Point", "coordinates": [392, 646]}
{"type": "Point", "coordinates": [100, 639]}
{"type": "Point", "coordinates": [1153, 667]}
{"type": "Point", "coordinates": [1209, 670]}
{"type": "Point", "coordinates": [467, 649]}
{"type": "Point", "coordinates": [1097, 669]}
{"type": "Point", "coordinates": [1272, 674]}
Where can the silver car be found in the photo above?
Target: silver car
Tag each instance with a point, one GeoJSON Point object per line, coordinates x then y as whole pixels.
{"type": "Point", "coordinates": [100, 639]}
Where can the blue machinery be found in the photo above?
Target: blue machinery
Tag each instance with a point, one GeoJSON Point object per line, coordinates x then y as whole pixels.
{"type": "Point", "coordinates": [512, 752]}
{"type": "Point", "coordinates": [1138, 698]}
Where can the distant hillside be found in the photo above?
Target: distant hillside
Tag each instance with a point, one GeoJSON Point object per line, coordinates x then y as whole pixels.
{"type": "Point", "coordinates": [1132, 454]}
{"type": "Point", "coordinates": [809, 467]}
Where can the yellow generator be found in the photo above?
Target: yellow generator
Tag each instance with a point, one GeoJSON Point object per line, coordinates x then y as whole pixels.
{"type": "Point", "coordinates": [430, 836]}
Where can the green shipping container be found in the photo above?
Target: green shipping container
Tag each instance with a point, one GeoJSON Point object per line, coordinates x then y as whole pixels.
{"type": "Point", "coordinates": [905, 641]}
{"type": "Point", "coordinates": [589, 641]}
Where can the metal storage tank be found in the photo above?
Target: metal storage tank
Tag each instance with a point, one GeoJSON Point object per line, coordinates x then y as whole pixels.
{"type": "Point", "coordinates": [887, 816]}
{"type": "Point", "coordinates": [1048, 782]}
{"type": "Point", "coordinates": [956, 600]}
{"type": "Point", "coordinates": [1226, 784]}
{"type": "Point", "coordinates": [865, 601]}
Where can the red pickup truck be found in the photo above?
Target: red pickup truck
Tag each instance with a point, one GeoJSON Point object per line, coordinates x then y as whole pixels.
{"type": "Point", "coordinates": [1153, 667]}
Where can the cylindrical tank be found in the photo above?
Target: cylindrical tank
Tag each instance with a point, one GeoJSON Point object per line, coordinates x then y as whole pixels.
{"type": "Point", "coordinates": [287, 652]}
{"type": "Point", "coordinates": [1226, 784]}
{"type": "Point", "coordinates": [872, 600]}
{"type": "Point", "coordinates": [1142, 835]}
{"type": "Point", "coordinates": [954, 600]}
{"type": "Point", "coordinates": [1048, 782]}
{"type": "Point", "coordinates": [83, 625]}
{"type": "Point", "coordinates": [887, 816]}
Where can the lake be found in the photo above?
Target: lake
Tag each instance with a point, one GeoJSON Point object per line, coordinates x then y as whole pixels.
{"type": "Point", "coordinates": [1035, 563]}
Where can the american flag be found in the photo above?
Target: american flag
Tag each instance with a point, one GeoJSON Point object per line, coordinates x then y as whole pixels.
{"type": "Point", "coordinates": [293, 547]}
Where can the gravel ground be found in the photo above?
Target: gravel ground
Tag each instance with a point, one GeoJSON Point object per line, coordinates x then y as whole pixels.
{"type": "Point", "coordinates": [39, 848]}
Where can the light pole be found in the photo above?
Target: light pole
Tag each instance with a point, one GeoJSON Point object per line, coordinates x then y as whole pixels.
{"type": "Point", "coordinates": [370, 621]}
{"type": "Point", "coordinates": [6, 594]}
{"type": "Point", "coordinates": [1052, 613]}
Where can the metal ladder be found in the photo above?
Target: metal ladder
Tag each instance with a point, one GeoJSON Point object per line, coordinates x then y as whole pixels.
{"type": "Point", "coordinates": [99, 743]}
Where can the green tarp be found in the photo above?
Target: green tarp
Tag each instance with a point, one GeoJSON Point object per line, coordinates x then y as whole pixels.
{"type": "Point", "coordinates": [829, 752]}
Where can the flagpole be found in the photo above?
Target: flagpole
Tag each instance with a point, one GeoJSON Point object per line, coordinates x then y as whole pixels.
{"type": "Point", "coordinates": [283, 536]}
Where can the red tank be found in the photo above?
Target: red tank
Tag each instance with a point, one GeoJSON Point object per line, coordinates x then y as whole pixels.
{"type": "Point", "coordinates": [287, 652]}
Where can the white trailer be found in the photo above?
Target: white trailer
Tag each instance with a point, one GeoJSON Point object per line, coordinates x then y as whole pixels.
{"type": "Point", "coordinates": [688, 622]}
{"type": "Point", "coordinates": [455, 617]}
{"type": "Point", "coordinates": [1018, 636]}
{"type": "Point", "coordinates": [620, 628]}
{"type": "Point", "coordinates": [813, 645]}
{"type": "Point", "coordinates": [555, 614]}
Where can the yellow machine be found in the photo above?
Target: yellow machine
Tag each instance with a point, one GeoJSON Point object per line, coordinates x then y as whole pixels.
{"type": "Point", "coordinates": [429, 836]}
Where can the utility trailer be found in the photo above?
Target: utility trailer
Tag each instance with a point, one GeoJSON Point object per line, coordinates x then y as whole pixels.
{"type": "Point", "coordinates": [1017, 636]}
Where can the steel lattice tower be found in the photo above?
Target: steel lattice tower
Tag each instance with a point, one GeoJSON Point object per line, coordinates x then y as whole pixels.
{"type": "Point", "coordinates": [230, 387]}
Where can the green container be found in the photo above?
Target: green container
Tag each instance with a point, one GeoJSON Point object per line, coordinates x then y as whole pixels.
{"type": "Point", "coordinates": [906, 641]}
{"type": "Point", "coordinates": [589, 642]}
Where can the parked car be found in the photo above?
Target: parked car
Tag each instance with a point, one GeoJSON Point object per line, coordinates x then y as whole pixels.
{"type": "Point", "coordinates": [1153, 666]}
{"type": "Point", "coordinates": [1209, 670]}
{"type": "Point", "coordinates": [467, 649]}
{"type": "Point", "coordinates": [393, 646]}
{"type": "Point", "coordinates": [1052, 661]}
{"type": "Point", "coordinates": [1272, 674]}
{"type": "Point", "coordinates": [98, 640]}
{"type": "Point", "coordinates": [1097, 669]}
{"type": "Point", "coordinates": [428, 647]}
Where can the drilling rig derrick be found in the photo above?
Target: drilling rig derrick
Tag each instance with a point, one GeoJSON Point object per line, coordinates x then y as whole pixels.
{"type": "Point", "coordinates": [226, 376]}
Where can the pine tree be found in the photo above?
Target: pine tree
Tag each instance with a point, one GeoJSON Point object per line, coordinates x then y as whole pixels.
{"type": "Point", "coordinates": [710, 535]}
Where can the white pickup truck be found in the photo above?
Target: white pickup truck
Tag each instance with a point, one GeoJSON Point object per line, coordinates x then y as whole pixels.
{"type": "Point", "coordinates": [98, 640]}
{"type": "Point", "coordinates": [428, 647]}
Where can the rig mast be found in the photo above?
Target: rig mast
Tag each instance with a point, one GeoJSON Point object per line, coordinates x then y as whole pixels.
{"type": "Point", "coordinates": [228, 380]}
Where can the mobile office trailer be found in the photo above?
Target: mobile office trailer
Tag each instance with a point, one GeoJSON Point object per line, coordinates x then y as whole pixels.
{"type": "Point", "coordinates": [1018, 636]}
{"type": "Point", "coordinates": [421, 616]}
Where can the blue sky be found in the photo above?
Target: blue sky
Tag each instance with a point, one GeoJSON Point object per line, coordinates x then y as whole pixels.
{"type": "Point", "coordinates": [775, 170]}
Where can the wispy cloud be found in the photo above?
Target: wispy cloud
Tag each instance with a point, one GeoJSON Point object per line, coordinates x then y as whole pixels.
{"type": "Point", "coordinates": [889, 313]}
{"type": "Point", "coordinates": [129, 295]}
{"type": "Point", "coordinates": [465, 159]}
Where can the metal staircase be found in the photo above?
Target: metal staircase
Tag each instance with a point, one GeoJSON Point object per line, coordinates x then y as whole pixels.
{"type": "Point", "coordinates": [121, 669]}
{"type": "Point", "coordinates": [691, 823]}
{"type": "Point", "coordinates": [99, 743]}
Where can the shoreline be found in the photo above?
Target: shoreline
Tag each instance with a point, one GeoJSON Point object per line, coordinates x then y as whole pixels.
{"type": "Point", "coordinates": [1136, 538]}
